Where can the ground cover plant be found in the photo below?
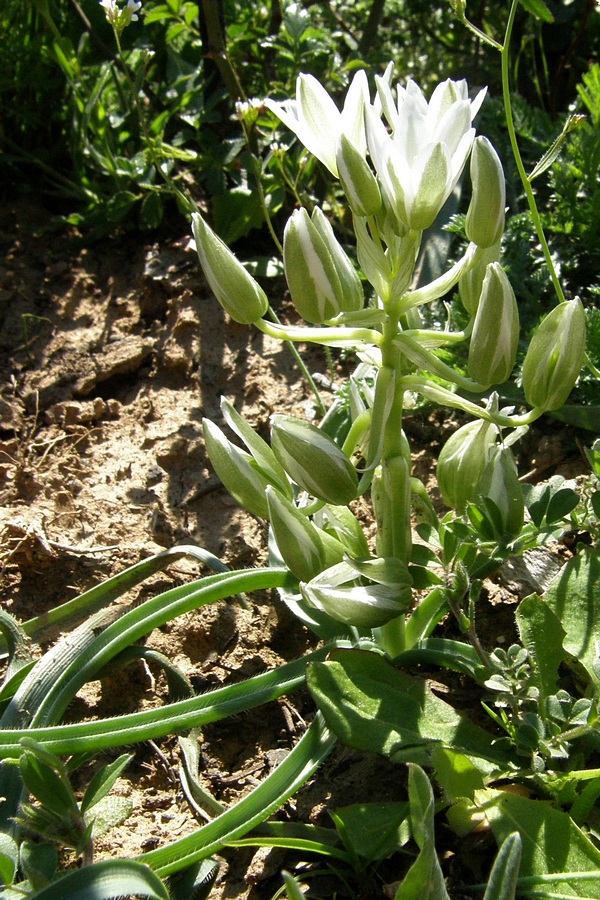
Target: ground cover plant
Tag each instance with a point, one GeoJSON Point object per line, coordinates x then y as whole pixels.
{"type": "Point", "coordinates": [377, 605]}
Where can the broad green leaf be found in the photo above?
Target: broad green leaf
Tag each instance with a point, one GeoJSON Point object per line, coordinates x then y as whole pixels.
{"type": "Point", "coordinates": [372, 706]}
{"type": "Point", "coordinates": [375, 830]}
{"type": "Point", "coordinates": [574, 597]}
{"type": "Point", "coordinates": [502, 883]}
{"type": "Point", "coordinates": [424, 880]}
{"type": "Point", "coordinates": [552, 845]}
{"type": "Point", "coordinates": [104, 880]}
{"type": "Point", "coordinates": [542, 635]}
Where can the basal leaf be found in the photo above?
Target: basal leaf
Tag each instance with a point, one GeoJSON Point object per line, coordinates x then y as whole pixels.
{"type": "Point", "coordinates": [551, 845]}
{"type": "Point", "coordinates": [574, 597]}
{"type": "Point", "coordinates": [372, 706]}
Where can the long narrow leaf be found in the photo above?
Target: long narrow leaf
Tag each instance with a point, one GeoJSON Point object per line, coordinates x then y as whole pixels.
{"type": "Point", "coordinates": [277, 787]}
{"type": "Point", "coordinates": [151, 724]}
{"type": "Point", "coordinates": [103, 880]}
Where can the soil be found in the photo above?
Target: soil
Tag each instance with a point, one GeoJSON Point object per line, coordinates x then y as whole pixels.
{"type": "Point", "coordinates": [110, 356]}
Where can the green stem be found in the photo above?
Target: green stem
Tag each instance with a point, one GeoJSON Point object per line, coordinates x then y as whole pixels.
{"type": "Point", "coordinates": [505, 59]}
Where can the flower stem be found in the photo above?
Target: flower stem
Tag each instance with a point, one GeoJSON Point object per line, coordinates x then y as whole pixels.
{"type": "Point", "coordinates": [525, 180]}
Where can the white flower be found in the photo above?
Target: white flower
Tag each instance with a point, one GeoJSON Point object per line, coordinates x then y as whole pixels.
{"type": "Point", "coordinates": [121, 18]}
{"type": "Point", "coordinates": [422, 157]}
{"type": "Point", "coordinates": [318, 123]}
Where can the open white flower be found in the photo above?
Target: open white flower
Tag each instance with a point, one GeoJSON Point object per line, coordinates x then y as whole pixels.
{"type": "Point", "coordinates": [420, 159]}
{"type": "Point", "coordinates": [318, 123]}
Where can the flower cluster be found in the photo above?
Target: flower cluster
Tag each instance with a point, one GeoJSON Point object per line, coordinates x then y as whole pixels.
{"type": "Point", "coordinates": [121, 18]}
{"type": "Point", "coordinates": [398, 157]}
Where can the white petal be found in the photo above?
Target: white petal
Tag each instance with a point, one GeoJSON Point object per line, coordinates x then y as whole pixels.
{"type": "Point", "coordinates": [353, 112]}
{"type": "Point", "coordinates": [320, 119]}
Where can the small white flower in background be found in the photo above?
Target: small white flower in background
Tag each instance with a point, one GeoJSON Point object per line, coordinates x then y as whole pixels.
{"type": "Point", "coordinates": [121, 18]}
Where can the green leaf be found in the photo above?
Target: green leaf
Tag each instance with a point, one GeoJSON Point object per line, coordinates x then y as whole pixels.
{"type": "Point", "coordinates": [571, 123]}
{"type": "Point", "coordinates": [552, 845]}
{"type": "Point", "coordinates": [151, 211]}
{"type": "Point", "coordinates": [48, 787]}
{"type": "Point", "coordinates": [425, 879]}
{"type": "Point", "coordinates": [106, 879]}
{"type": "Point", "coordinates": [107, 813]}
{"type": "Point", "coordinates": [372, 706]}
{"type": "Point", "coordinates": [195, 882]}
{"type": "Point", "coordinates": [9, 859]}
{"type": "Point", "coordinates": [375, 830]}
{"type": "Point", "coordinates": [103, 781]}
{"type": "Point", "coordinates": [542, 634]}
{"type": "Point", "coordinates": [502, 883]}
{"type": "Point", "coordinates": [538, 9]}
{"type": "Point", "coordinates": [574, 597]}
{"type": "Point", "coordinates": [39, 863]}
{"type": "Point", "coordinates": [456, 774]}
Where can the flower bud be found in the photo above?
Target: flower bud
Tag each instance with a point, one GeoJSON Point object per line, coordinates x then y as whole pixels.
{"type": "Point", "coordinates": [298, 540]}
{"type": "Point", "coordinates": [485, 217]}
{"type": "Point", "coordinates": [321, 278]}
{"type": "Point", "coordinates": [500, 483]}
{"type": "Point", "coordinates": [555, 356]}
{"type": "Point", "coordinates": [463, 460]}
{"type": "Point", "coordinates": [495, 336]}
{"type": "Point", "coordinates": [358, 181]}
{"type": "Point", "coordinates": [338, 592]}
{"type": "Point", "coordinates": [470, 284]}
{"type": "Point", "coordinates": [234, 469]}
{"type": "Point", "coordinates": [313, 460]}
{"type": "Point", "coordinates": [235, 289]}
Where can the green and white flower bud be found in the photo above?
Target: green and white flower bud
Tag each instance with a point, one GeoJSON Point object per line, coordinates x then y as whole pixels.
{"type": "Point", "coordinates": [338, 592]}
{"type": "Point", "coordinates": [298, 540]}
{"type": "Point", "coordinates": [463, 460]}
{"type": "Point", "coordinates": [555, 356]}
{"type": "Point", "coordinates": [322, 280]}
{"type": "Point", "coordinates": [358, 181]}
{"type": "Point", "coordinates": [470, 284]}
{"type": "Point", "coordinates": [235, 289]}
{"type": "Point", "coordinates": [313, 460]}
{"type": "Point", "coordinates": [500, 483]}
{"type": "Point", "coordinates": [495, 336]}
{"type": "Point", "coordinates": [234, 468]}
{"type": "Point", "coordinates": [485, 217]}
